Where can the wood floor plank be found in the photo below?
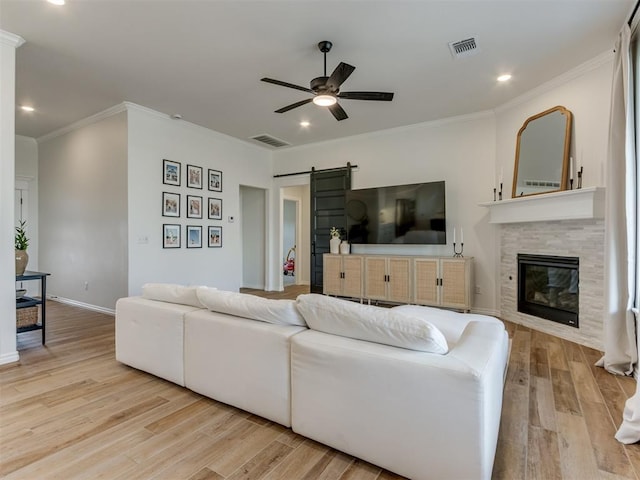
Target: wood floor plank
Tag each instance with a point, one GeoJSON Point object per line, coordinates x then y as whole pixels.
{"type": "Point", "coordinates": [564, 392]}
{"type": "Point", "coordinates": [577, 459]}
{"type": "Point", "coordinates": [542, 411]}
{"type": "Point", "coordinates": [331, 466]}
{"type": "Point", "coordinates": [543, 456]}
{"type": "Point", "coordinates": [262, 463]}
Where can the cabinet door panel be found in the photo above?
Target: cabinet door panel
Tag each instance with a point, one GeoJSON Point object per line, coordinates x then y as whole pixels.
{"type": "Point", "coordinates": [375, 285]}
{"type": "Point", "coordinates": [454, 283]}
{"type": "Point", "coordinates": [399, 288]}
{"type": "Point", "coordinates": [352, 282]}
{"type": "Point", "coordinates": [425, 281]}
{"type": "Point", "coordinates": [332, 283]}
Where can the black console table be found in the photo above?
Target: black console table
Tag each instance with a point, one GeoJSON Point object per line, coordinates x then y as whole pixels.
{"type": "Point", "coordinates": [25, 302]}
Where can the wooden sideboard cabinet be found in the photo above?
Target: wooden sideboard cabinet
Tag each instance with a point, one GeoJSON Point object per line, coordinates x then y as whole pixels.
{"type": "Point", "coordinates": [387, 278]}
{"type": "Point", "coordinates": [435, 281]}
{"type": "Point", "coordinates": [443, 281]}
{"type": "Point", "coordinates": [342, 275]}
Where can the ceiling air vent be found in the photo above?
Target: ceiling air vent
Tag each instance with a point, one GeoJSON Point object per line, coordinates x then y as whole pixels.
{"type": "Point", "coordinates": [271, 141]}
{"type": "Point", "coordinates": [464, 48]}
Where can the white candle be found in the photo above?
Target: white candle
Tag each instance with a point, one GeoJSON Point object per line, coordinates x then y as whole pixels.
{"type": "Point", "coordinates": [501, 173]}
{"type": "Point", "coordinates": [461, 236]}
{"type": "Point", "coordinates": [571, 168]}
{"type": "Point", "coordinates": [454, 234]}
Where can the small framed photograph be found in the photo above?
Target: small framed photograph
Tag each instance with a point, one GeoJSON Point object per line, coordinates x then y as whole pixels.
{"type": "Point", "coordinates": [194, 236]}
{"type": "Point", "coordinates": [170, 236]}
{"type": "Point", "coordinates": [215, 237]}
{"type": "Point", "coordinates": [215, 208]}
{"type": "Point", "coordinates": [215, 180]}
{"type": "Point", "coordinates": [194, 176]}
{"type": "Point", "coordinates": [170, 172]}
{"type": "Point", "coordinates": [170, 204]}
{"type": "Point", "coordinates": [194, 206]}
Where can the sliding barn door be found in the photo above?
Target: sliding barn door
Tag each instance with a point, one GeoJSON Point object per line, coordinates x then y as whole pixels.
{"type": "Point", "coordinates": [328, 190]}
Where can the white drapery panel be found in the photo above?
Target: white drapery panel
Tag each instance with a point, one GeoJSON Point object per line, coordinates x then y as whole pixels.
{"type": "Point", "coordinates": [621, 233]}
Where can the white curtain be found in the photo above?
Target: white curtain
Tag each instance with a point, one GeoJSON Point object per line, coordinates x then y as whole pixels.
{"type": "Point", "coordinates": [621, 233]}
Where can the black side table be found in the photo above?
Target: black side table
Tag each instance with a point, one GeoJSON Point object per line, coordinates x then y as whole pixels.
{"type": "Point", "coordinates": [25, 302]}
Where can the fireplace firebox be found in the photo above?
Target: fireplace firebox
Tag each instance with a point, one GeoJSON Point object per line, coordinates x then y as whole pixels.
{"type": "Point", "coordinates": [548, 287]}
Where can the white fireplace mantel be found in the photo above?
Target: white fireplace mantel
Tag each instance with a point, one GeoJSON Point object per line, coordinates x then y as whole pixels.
{"type": "Point", "coordinates": [585, 203]}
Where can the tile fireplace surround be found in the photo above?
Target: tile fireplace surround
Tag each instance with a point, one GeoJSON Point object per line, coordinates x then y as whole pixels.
{"type": "Point", "coordinates": [569, 224]}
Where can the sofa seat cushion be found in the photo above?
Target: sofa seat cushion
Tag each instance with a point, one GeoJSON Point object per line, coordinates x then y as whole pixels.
{"type": "Point", "coordinates": [449, 322]}
{"type": "Point", "coordinates": [240, 362]}
{"type": "Point", "coordinates": [171, 293]}
{"type": "Point", "coordinates": [373, 324]}
{"type": "Point", "coordinates": [279, 312]}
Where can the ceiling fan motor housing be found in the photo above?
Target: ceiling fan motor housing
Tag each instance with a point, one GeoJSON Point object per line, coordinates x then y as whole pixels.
{"type": "Point", "coordinates": [319, 85]}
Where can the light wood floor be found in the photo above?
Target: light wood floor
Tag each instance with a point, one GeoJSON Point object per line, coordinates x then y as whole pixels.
{"type": "Point", "coordinates": [69, 410]}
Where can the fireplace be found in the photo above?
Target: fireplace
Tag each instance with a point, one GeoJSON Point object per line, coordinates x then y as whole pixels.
{"type": "Point", "coordinates": [548, 287]}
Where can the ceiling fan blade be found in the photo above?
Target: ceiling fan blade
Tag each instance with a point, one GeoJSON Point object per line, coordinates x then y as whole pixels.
{"type": "Point", "coordinates": [338, 112]}
{"type": "Point", "coordinates": [380, 96]}
{"type": "Point", "coordinates": [294, 105]}
{"type": "Point", "coordinates": [339, 75]}
{"type": "Point", "coordinates": [285, 84]}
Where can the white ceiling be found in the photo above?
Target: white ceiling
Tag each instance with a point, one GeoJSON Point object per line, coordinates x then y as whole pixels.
{"type": "Point", "coordinates": [204, 59]}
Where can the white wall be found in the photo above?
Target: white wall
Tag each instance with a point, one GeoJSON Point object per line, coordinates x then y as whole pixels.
{"type": "Point", "coordinates": [253, 236]}
{"type": "Point", "coordinates": [460, 151]}
{"type": "Point", "coordinates": [8, 44]}
{"type": "Point", "coordinates": [27, 177]}
{"type": "Point", "coordinates": [154, 137]}
{"type": "Point", "coordinates": [83, 213]}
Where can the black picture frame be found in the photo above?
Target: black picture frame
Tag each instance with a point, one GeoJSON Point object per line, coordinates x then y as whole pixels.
{"type": "Point", "coordinates": [214, 236]}
{"type": "Point", "coordinates": [194, 206]}
{"type": "Point", "coordinates": [194, 176]}
{"type": "Point", "coordinates": [214, 208]}
{"type": "Point", "coordinates": [170, 204]}
{"type": "Point", "coordinates": [194, 236]}
{"type": "Point", "coordinates": [171, 172]}
{"type": "Point", "coordinates": [215, 180]}
{"type": "Point", "coordinates": [171, 235]}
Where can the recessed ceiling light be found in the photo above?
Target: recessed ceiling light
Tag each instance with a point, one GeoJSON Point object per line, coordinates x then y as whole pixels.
{"type": "Point", "coordinates": [56, 2]}
{"type": "Point", "coordinates": [27, 108]}
{"type": "Point", "coordinates": [304, 124]}
{"type": "Point", "coordinates": [504, 78]}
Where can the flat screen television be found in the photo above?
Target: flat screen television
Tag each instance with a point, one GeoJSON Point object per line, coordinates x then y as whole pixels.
{"type": "Point", "coordinates": [401, 214]}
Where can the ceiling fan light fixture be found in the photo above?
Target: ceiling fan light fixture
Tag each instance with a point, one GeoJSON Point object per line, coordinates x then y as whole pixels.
{"type": "Point", "coordinates": [324, 100]}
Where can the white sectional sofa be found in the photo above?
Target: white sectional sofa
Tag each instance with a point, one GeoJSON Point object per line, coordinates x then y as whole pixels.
{"type": "Point", "coordinates": [415, 390]}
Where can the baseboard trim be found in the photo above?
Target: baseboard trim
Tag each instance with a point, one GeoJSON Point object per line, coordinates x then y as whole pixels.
{"type": "Point", "coordinates": [86, 306]}
{"type": "Point", "coordinates": [486, 311]}
{"type": "Point", "coordinates": [9, 357]}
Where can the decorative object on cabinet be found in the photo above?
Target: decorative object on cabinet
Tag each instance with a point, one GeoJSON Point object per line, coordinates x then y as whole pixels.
{"type": "Point", "coordinates": [457, 253]}
{"type": "Point", "coordinates": [215, 209]}
{"type": "Point", "coordinates": [170, 236]}
{"type": "Point", "coordinates": [194, 236]}
{"type": "Point", "coordinates": [215, 180]}
{"type": "Point", "coordinates": [345, 248]}
{"type": "Point", "coordinates": [215, 236]}
{"type": "Point", "coordinates": [194, 206]}
{"type": "Point", "coordinates": [170, 204]}
{"type": "Point", "coordinates": [542, 153]}
{"type": "Point", "coordinates": [171, 172]}
{"type": "Point", "coordinates": [21, 244]}
{"type": "Point", "coordinates": [28, 320]}
{"type": "Point", "coordinates": [334, 242]}
{"type": "Point", "coordinates": [194, 176]}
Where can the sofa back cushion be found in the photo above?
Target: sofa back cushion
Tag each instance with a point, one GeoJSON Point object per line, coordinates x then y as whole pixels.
{"type": "Point", "coordinates": [373, 324]}
{"type": "Point", "coordinates": [171, 293]}
{"type": "Point", "coordinates": [280, 312]}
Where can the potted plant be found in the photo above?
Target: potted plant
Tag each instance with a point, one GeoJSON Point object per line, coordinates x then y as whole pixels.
{"type": "Point", "coordinates": [21, 243]}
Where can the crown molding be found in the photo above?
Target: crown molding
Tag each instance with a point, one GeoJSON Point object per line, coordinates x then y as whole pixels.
{"type": "Point", "coordinates": [11, 39]}
{"type": "Point", "coordinates": [589, 65]}
{"type": "Point", "coordinates": [109, 112]}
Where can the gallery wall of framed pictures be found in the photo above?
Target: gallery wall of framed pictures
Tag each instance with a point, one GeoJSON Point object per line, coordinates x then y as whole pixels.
{"type": "Point", "coordinates": [193, 206]}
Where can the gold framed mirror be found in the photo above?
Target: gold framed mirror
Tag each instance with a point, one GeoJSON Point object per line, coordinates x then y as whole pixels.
{"type": "Point", "coordinates": [542, 153]}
